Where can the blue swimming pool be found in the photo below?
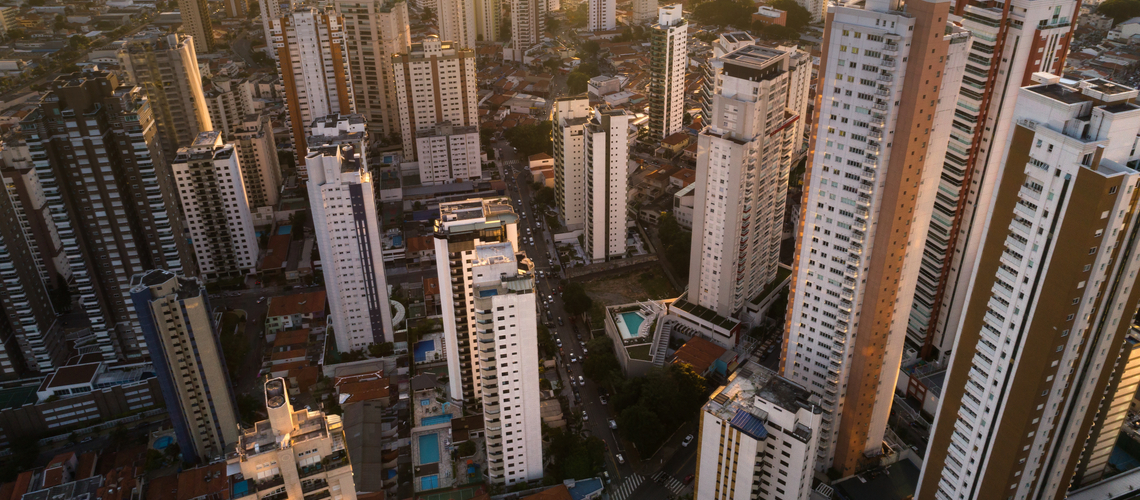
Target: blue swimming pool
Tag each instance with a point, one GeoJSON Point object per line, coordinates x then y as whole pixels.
{"type": "Point", "coordinates": [632, 322]}
{"type": "Point", "coordinates": [398, 241]}
{"type": "Point", "coordinates": [422, 348]}
{"type": "Point", "coordinates": [284, 229]}
{"type": "Point", "coordinates": [429, 449]}
{"type": "Point", "coordinates": [162, 442]}
{"type": "Point", "coordinates": [429, 482]}
{"type": "Point", "coordinates": [437, 419]}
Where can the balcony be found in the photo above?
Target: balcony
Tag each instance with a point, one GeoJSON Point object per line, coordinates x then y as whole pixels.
{"type": "Point", "coordinates": [270, 483]}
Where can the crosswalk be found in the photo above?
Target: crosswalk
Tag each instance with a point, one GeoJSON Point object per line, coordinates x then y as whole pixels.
{"type": "Point", "coordinates": [623, 491]}
{"type": "Point", "coordinates": [669, 481]}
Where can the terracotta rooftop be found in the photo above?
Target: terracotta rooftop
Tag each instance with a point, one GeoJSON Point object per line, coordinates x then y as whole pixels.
{"type": "Point", "coordinates": [300, 303]}
{"type": "Point", "coordinates": [560, 492]}
{"type": "Point", "coordinates": [420, 244]}
{"type": "Point", "coordinates": [295, 353]}
{"type": "Point", "coordinates": [431, 286]}
{"type": "Point", "coordinates": [291, 337]}
{"type": "Point", "coordinates": [71, 375]}
{"type": "Point", "coordinates": [364, 391]}
{"type": "Point", "coordinates": [162, 487]}
{"type": "Point", "coordinates": [698, 353]}
{"type": "Point", "coordinates": [539, 157]}
{"type": "Point", "coordinates": [278, 255]}
{"type": "Point", "coordinates": [676, 138]}
{"type": "Point", "coordinates": [209, 480]}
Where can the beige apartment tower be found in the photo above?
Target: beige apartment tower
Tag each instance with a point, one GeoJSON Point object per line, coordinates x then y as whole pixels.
{"type": "Point", "coordinates": [196, 23]}
{"type": "Point", "coordinates": [374, 31]}
{"type": "Point", "coordinates": [435, 83]}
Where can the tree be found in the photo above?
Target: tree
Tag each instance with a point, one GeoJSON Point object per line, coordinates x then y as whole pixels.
{"type": "Point", "coordinates": [466, 449]}
{"type": "Point", "coordinates": [576, 83]}
{"type": "Point", "coordinates": [545, 340]}
{"type": "Point", "coordinates": [736, 13]}
{"type": "Point", "coordinates": [676, 242]}
{"type": "Point", "coordinates": [642, 426]}
{"type": "Point", "coordinates": [545, 197]}
{"type": "Point", "coordinates": [531, 139]}
{"type": "Point", "coordinates": [16, 34]}
{"type": "Point", "coordinates": [298, 220]}
{"type": "Point", "coordinates": [552, 23]}
{"type": "Point", "coordinates": [381, 350]}
{"type": "Point", "coordinates": [589, 49]}
{"type": "Point", "coordinates": [78, 42]}
{"type": "Point", "coordinates": [774, 31]}
{"type": "Point", "coordinates": [602, 365]}
{"type": "Point", "coordinates": [575, 300]}
{"type": "Point", "coordinates": [798, 17]}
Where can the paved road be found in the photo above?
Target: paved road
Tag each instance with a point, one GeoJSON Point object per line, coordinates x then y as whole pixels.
{"type": "Point", "coordinates": [243, 47]}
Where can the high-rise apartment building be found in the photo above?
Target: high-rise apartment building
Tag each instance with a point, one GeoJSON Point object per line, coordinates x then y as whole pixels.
{"type": "Point", "coordinates": [344, 211]}
{"type": "Point", "coordinates": [448, 154]}
{"type": "Point", "coordinates": [668, 61]}
{"type": "Point", "coordinates": [606, 145]}
{"type": "Point", "coordinates": [463, 226]}
{"type": "Point", "coordinates": [817, 9]}
{"type": "Point", "coordinates": [270, 10]}
{"type": "Point", "coordinates": [528, 22]}
{"type": "Point", "coordinates": [294, 453]}
{"type": "Point", "coordinates": [188, 362]}
{"type": "Point", "coordinates": [228, 102]}
{"type": "Point", "coordinates": [236, 9]}
{"type": "Point", "coordinates": [643, 11]}
{"type": "Point", "coordinates": [601, 15]}
{"type": "Point", "coordinates": [196, 23]}
{"type": "Point", "coordinates": [1007, 47]}
{"type": "Point", "coordinates": [1112, 416]}
{"type": "Point", "coordinates": [167, 68]}
{"type": "Point", "coordinates": [313, 64]}
{"type": "Point", "coordinates": [435, 83]}
{"type": "Point", "coordinates": [1051, 298]}
{"type": "Point", "coordinates": [488, 20]}
{"type": "Point", "coordinates": [569, 126]}
{"type": "Point", "coordinates": [505, 311]}
{"type": "Point", "coordinates": [744, 155]}
{"type": "Point", "coordinates": [374, 31]}
{"type": "Point", "coordinates": [111, 198]}
{"type": "Point", "coordinates": [456, 19]}
{"type": "Point", "coordinates": [884, 108]}
{"type": "Point", "coordinates": [214, 204]}
{"type": "Point", "coordinates": [29, 341]}
{"type": "Point", "coordinates": [757, 438]}
{"type": "Point", "coordinates": [22, 183]}
{"type": "Point", "coordinates": [257, 154]}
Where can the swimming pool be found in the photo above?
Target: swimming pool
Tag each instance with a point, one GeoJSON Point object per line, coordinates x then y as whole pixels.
{"type": "Point", "coordinates": [428, 483]}
{"type": "Point", "coordinates": [429, 449]}
{"type": "Point", "coordinates": [284, 229]}
{"type": "Point", "coordinates": [422, 348]}
{"type": "Point", "coordinates": [630, 324]}
{"type": "Point", "coordinates": [437, 419]}
{"type": "Point", "coordinates": [162, 442]}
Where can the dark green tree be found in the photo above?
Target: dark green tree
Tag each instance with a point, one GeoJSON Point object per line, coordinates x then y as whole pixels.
{"type": "Point", "coordinates": [575, 300]}
{"type": "Point", "coordinates": [545, 197]}
{"type": "Point", "coordinates": [736, 13]}
{"type": "Point", "coordinates": [531, 139]}
{"type": "Point", "coordinates": [798, 17]}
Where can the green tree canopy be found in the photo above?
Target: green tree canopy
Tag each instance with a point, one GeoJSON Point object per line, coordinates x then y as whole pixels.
{"type": "Point", "coordinates": [676, 242]}
{"type": "Point", "coordinates": [531, 139]}
{"type": "Point", "coordinates": [798, 17]}
{"type": "Point", "coordinates": [545, 197]}
{"type": "Point", "coordinates": [736, 13]}
{"type": "Point", "coordinates": [575, 300]}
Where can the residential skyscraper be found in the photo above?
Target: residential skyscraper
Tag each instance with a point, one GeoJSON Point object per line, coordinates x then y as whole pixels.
{"type": "Point", "coordinates": [176, 320]}
{"type": "Point", "coordinates": [270, 10]}
{"type": "Point", "coordinates": [505, 311]}
{"type": "Point", "coordinates": [295, 452]}
{"type": "Point", "coordinates": [883, 114]}
{"type": "Point", "coordinates": [196, 23]}
{"type": "Point", "coordinates": [1030, 39]}
{"type": "Point", "coordinates": [435, 83]}
{"type": "Point", "coordinates": [23, 185]}
{"type": "Point", "coordinates": [236, 9]}
{"type": "Point", "coordinates": [606, 143]}
{"type": "Point", "coordinates": [257, 154]}
{"type": "Point", "coordinates": [112, 226]}
{"type": "Point", "coordinates": [228, 102]}
{"type": "Point", "coordinates": [1113, 414]}
{"type": "Point", "coordinates": [601, 15]}
{"type": "Point", "coordinates": [643, 11]}
{"type": "Point", "coordinates": [744, 155]}
{"type": "Point", "coordinates": [488, 20]}
{"type": "Point", "coordinates": [456, 20]}
{"type": "Point", "coordinates": [311, 60]}
{"type": "Point", "coordinates": [570, 117]}
{"type": "Point", "coordinates": [757, 438]}
{"type": "Point", "coordinates": [668, 61]}
{"type": "Point", "coordinates": [817, 9]}
{"type": "Point", "coordinates": [167, 68]}
{"type": "Point", "coordinates": [528, 22]}
{"type": "Point", "coordinates": [214, 203]}
{"type": "Point", "coordinates": [1051, 298]}
{"type": "Point", "coordinates": [448, 154]}
{"type": "Point", "coordinates": [343, 207]}
{"type": "Point", "coordinates": [374, 31]}
{"type": "Point", "coordinates": [463, 226]}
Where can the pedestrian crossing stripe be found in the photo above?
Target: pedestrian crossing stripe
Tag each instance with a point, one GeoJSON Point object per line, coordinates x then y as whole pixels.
{"type": "Point", "coordinates": [670, 482]}
{"type": "Point", "coordinates": [627, 487]}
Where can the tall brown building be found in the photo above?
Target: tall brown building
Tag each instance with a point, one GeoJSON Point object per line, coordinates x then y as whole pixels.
{"type": "Point", "coordinates": [94, 146]}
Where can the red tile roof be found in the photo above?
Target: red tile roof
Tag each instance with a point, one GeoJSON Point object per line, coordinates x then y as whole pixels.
{"type": "Point", "coordinates": [300, 303]}
{"type": "Point", "coordinates": [698, 353]}
{"type": "Point", "coordinates": [291, 338]}
{"type": "Point", "coordinates": [560, 492]}
{"type": "Point", "coordinates": [420, 244]}
{"type": "Point", "coordinates": [431, 286]}
{"type": "Point", "coordinates": [278, 254]}
{"type": "Point", "coordinates": [209, 480]}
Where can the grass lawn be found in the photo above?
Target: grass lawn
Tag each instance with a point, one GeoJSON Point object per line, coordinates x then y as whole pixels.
{"type": "Point", "coordinates": [630, 286]}
{"type": "Point", "coordinates": [639, 352]}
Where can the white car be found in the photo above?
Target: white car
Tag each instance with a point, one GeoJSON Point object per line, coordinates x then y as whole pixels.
{"type": "Point", "coordinates": [585, 417]}
{"type": "Point", "coordinates": [613, 424]}
{"type": "Point", "coordinates": [620, 459]}
{"type": "Point", "coordinates": [688, 439]}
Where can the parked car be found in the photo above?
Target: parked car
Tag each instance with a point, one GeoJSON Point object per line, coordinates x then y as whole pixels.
{"type": "Point", "coordinates": [560, 321]}
{"type": "Point", "coordinates": [581, 380]}
{"type": "Point", "coordinates": [613, 424]}
{"type": "Point", "coordinates": [688, 439]}
{"type": "Point", "coordinates": [585, 417]}
{"type": "Point", "coordinates": [620, 459]}
{"type": "Point", "coordinates": [603, 398]}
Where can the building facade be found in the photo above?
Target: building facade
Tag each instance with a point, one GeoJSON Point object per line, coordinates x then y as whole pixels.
{"type": "Point", "coordinates": [344, 211]}
{"type": "Point", "coordinates": [757, 438]}
{"type": "Point", "coordinates": [270, 10]}
{"type": "Point", "coordinates": [570, 117]}
{"type": "Point", "coordinates": [294, 453]}
{"type": "Point", "coordinates": [375, 31]}
{"type": "Point", "coordinates": [884, 106]}
{"type": "Point", "coordinates": [668, 62]}
{"type": "Point", "coordinates": [448, 154]}
{"type": "Point", "coordinates": [606, 152]}
{"type": "Point", "coordinates": [435, 83]}
{"type": "Point", "coordinates": [505, 310]}
{"type": "Point", "coordinates": [488, 20]}
{"type": "Point", "coordinates": [228, 102]}
{"type": "Point", "coordinates": [257, 154]}
{"type": "Point", "coordinates": [111, 226]}
{"type": "Point", "coordinates": [176, 320]}
{"type": "Point", "coordinates": [167, 68]}
{"type": "Point", "coordinates": [601, 15]}
{"type": "Point", "coordinates": [456, 20]}
{"type": "Point", "coordinates": [210, 186]}
{"type": "Point", "coordinates": [528, 23]}
{"type": "Point", "coordinates": [1033, 37]}
{"type": "Point", "coordinates": [643, 11]}
{"type": "Point", "coordinates": [744, 155]}
{"type": "Point", "coordinates": [196, 23]}
{"type": "Point", "coordinates": [463, 226]}
{"type": "Point", "coordinates": [1112, 415]}
{"type": "Point", "coordinates": [313, 64]}
{"type": "Point", "coordinates": [1051, 299]}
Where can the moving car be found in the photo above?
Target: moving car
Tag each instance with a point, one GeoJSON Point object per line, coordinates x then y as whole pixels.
{"type": "Point", "coordinates": [620, 459]}
{"type": "Point", "coordinates": [688, 439]}
{"type": "Point", "coordinates": [613, 424]}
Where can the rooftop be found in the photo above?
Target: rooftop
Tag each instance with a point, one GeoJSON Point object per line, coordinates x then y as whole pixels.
{"type": "Point", "coordinates": [705, 314]}
{"type": "Point", "coordinates": [897, 482]}
{"type": "Point", "coordinates": [300, 303]}
{"type": "Point", "coordinates": [698, 353]}
{"type": "Point", "coordinates": [738, 401]}
{"type": "Point", "coordinates": [209, 480]}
